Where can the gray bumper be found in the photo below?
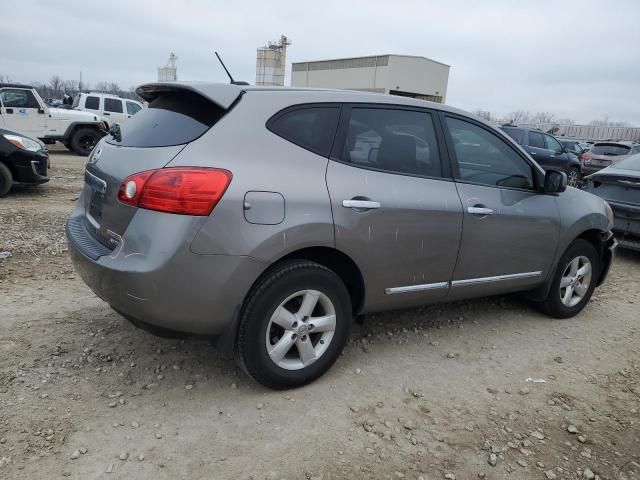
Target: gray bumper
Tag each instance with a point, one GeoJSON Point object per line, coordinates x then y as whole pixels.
{"type": "Point", "coordinates": [162, 283]}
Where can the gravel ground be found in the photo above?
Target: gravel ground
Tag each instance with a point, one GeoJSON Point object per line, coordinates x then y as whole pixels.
{"type": "Point", "coordinates": [484, 389]}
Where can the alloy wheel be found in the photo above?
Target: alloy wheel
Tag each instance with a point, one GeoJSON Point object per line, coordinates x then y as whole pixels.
{"type": "Point", "coordinates": [300, 329]}
{"type": "Point", "coordinates": [575, 281]}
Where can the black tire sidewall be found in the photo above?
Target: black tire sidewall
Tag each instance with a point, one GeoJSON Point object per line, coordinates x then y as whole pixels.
{"type": "Point", "coordinates": [78, 134]}
{"type": "Point", "coordinates": [554, 305]}
{"type": "Point", "coordinates": [275, 287]}
{"type": "Point", "coordinates": [6, 180]}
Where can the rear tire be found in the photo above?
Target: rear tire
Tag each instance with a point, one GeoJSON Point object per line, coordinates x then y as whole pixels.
{"type": "Point", "coordinates": [294, 324]}
{"type": "Point", "coordinates": [83, 140]}
{"type": "Point", "coordinates": [6, 180]}
{"type": "Point", "coordinates": [574, 281]}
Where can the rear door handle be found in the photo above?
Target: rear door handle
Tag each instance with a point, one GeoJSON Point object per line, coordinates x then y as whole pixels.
{"type": "Point", "coordinates": [480, 211]}
{"type": "Point", "coordinates": [363, 204]}
{"type": "Point", "coordinates": [532, 153]}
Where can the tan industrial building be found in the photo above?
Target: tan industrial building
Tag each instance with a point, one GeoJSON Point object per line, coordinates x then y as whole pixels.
{"type": "Point", "coordinates": [403, 75]}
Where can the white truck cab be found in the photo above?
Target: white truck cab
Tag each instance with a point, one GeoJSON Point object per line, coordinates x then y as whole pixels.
{"type": "Point", "coordinates": [111, 109]}
{"type": "Point", "coordinates": [23, 111]}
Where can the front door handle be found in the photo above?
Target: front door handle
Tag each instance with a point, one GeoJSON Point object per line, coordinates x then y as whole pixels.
{"type": "Point", "coordinates": [480, 211]}
{"type": "Point", "coordinates": [532, 153]}
{"type": "Point", "coordinates": [361, 204]}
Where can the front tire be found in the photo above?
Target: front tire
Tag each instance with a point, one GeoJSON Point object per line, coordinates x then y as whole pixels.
{"type": "Point", "coordinates": [294, 324]}
{"type": "Point", "coordinates": [574, 281]}
{"type": "Point", "coordinates": [573, 177]}
{"type": "Point", "coordinates": [6, 180]}
{"type": "Point", "coordinates": [83, 141]}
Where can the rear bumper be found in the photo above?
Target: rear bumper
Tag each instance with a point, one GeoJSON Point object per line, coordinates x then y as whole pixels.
{"type": "Point", "coordinates": [589, 169]}
{"type": "Point", "coordinates": [161, 282]}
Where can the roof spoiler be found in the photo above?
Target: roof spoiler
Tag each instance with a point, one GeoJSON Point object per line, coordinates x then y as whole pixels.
{"type": "Point", "coordinates": [222, 94]}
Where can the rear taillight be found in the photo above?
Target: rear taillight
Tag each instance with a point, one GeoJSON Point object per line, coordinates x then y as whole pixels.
{"type": "Point", "coordinates": [181, 190]}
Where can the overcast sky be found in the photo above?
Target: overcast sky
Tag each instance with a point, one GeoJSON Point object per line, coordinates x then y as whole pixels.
{"type": "Point", "coordinates": [578, 59]}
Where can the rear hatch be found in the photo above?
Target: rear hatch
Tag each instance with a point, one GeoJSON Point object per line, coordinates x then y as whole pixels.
{"type": "Point", "coordinates": [604, 154]}
{"type": "Point", "coordinates": [177, 114]}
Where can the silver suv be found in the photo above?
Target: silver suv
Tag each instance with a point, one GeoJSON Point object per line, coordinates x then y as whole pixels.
{"type": "Point", "coordinates": [270, 217]}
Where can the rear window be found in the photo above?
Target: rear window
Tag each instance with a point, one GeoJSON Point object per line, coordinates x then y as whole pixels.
{"type": "Point", "coordinates": [174, 118]}
{"type": "Point", "coordinates": [611, 149]}
{"type": "Point", "coordinates": [516, 134]}
{"type": "Point", "coordinates": [312, 128]}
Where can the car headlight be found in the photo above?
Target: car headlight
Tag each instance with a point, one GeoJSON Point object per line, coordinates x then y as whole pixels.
{"type": "Point", "coordinates": [23, 143]}
{"type": "Point", "coordinates": [609, 211]}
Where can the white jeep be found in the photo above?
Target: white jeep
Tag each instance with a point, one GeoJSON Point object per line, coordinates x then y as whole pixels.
{"type": "Point", "coordinates": [111, 109]}
{"type": "Point", "coordinates": [23, 111]}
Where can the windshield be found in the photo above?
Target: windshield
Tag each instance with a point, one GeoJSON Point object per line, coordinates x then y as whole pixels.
{"type": "Point", "coordinates": [611, 149]}
{"type": "Point", "coordinates": [630, 163]}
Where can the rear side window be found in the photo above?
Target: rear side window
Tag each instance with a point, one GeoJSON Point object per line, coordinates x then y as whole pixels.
{"type": "Point", "coordinates": [132, 108]}
{"type": "Point", "coordinates": [516, 134]}
{"type": "Point", "coordinates": [611, 149]}
{"type": "Point", "coordinates": [113, 105]}
{"type": "Point", "coordinates": [536, 140]}
{"type": "Point", "coordinates": [312, 128]}
{"type": "Point", "coordinates": [92, 103]}
{"type": "Point", "coordinates": [173, 118]}
{"type": "Point", "coordinates": [398, 141]}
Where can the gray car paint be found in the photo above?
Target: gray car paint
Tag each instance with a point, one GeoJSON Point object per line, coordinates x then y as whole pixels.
{"type": "Point", "coordinates": [193, 273]}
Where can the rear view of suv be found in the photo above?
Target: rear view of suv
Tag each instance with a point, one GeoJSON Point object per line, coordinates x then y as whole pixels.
{"type": "Point", "coordinates": [604, 154]}
{"type": "Point", "coordinates": [547, 151]}
{"type": "Point", "coordinates": [269, 218]}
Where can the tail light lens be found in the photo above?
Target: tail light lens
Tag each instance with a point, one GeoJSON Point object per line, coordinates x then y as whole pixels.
{"type": "Point", "coordinates": [180, 190]}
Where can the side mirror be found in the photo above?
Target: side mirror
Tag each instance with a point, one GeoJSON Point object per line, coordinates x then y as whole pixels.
{"type": "Point", "coordinates": [555, 181]}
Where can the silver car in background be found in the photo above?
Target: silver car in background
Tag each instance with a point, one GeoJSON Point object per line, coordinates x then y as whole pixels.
{"type": "Point", "coordinates": [603, 154]}
{"type": "Point", "coordinates": [270, 217]}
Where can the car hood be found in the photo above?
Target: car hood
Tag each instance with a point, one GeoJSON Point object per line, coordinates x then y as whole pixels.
{"type": "Point", "coordinates": [73, 115]}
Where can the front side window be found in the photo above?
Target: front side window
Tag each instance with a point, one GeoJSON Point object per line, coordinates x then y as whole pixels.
{"type": "Point", "coordinates": [536, 140]}
{"type": "Point", "coordinates": [312, 128]}
{"type": "Point", "coordinates": [113, 105]}
{"type": "Point", "coordinates": [18, 98]}
{"type": "Point", "coordinates": [552, 143]}
{"type": "Point", "coordinates": [399, 141]}
{"type": "Point", "coordinates": [486, 159]}
{"type": "Point", "coordinates": [132, 108]}
{"type": "Point", "coordinates": [92, 103]}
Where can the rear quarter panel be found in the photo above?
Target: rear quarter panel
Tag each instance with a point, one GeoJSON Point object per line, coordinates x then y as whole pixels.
{"type": "Point", "coordinates": [261, 161]}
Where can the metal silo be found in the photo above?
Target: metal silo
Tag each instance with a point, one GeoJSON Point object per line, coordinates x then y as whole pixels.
{"type": "Point", "coordinates": [271, 61]}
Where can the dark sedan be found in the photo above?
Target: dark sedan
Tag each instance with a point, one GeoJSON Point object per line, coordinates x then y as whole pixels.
{"type": "Point", "coordinates": [619, 185]}
{"type": "Point", "coordinates": [23, 160]}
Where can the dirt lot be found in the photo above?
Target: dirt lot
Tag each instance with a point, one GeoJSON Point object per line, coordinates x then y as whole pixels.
{"type": "Point", "coordinates": [488, 388]}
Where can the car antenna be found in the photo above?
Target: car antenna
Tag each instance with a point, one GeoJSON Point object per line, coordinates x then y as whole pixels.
{"type": "Point", "coordinates": [233, 82]}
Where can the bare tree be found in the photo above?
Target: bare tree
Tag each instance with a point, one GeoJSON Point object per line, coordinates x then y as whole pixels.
{"type": "Point", "coordinates": [5, 78]}
{"type": "Point", "coordinates": [483, 114]}
{"type": "Point", "coordinates": [606, 122]}
{"type": "Point", "coordinates": [543, 117]}
{"type": "Point", "coordinates": [71, 87]}
{"type": "Point", "coordinates": [56, 84]}
{"type": "Point", "coordinates": [566, 121]}
{"type": "Point", "coordinates": [101, 87]}
{"type": "Point", "coordinates": [114, 88]}
{"type": "Point", "coordinates": [519, 116]}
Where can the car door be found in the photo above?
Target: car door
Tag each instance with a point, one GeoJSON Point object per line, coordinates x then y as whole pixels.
{"type": "Point", "coordinates": [510, 229]}
{"type": "Point", "coordinates": [558, 157]}
{"type": "Point", "coordinates": [113, 110]}
{"type": "Point", "coordinates": [395, 207]}
{"type": "Point", "coordinates": [22, 112]}
{"type": "Point", "coordinates": [537, 148]}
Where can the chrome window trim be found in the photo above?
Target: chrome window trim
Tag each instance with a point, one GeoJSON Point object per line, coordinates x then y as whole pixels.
{"type": "Point", "coordinates": [497, 278]}
{"type": "Point", "coordinates": [416, 288]}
